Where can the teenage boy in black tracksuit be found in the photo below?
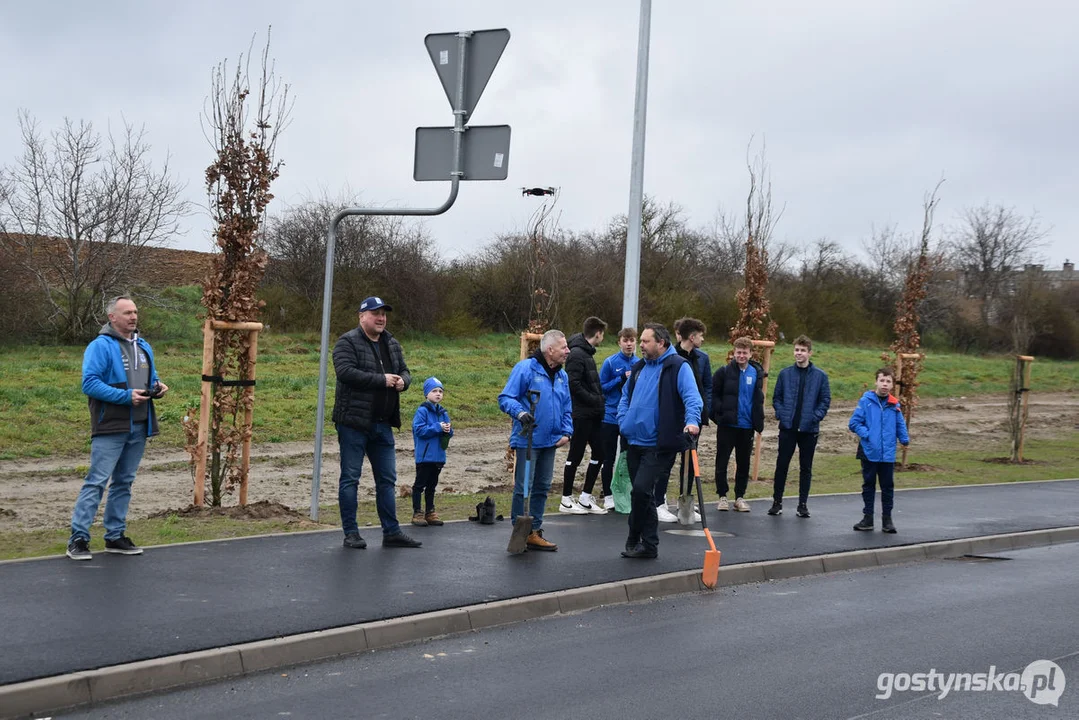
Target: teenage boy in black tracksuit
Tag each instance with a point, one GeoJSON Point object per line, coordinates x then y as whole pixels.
{"type": "Point", "coordinates": [589, 401]}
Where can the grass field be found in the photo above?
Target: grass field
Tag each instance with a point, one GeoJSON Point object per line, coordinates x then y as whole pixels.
{"type": "Point", "coordinates": [43, 411]}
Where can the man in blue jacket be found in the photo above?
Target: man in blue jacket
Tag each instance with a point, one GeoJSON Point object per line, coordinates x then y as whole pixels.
{"type": "Point", "coordinates": [551, 426]}
{"type": "Point", "coordinates": [878, 422]}
{"type": "Point", "coordinates": [738, 411]}
{"type": "Point", "coordinates": [612, 377]}
{"type": "Point", "coordinates": [801, 399]}
{"type": "Point", "coordinates": [660, 405]}
{"type": "Point", "coordinates": [119, 378]}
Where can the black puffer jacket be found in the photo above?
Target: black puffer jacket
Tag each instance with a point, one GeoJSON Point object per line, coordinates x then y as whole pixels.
{"type": "Point", "coordinates": [725, 396]}
{"type": "Point", "coordinates": [360, 375]}
{"type": "Point", "coordinates": [584, 386]}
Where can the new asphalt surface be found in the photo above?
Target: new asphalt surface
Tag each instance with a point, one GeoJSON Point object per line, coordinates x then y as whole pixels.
{"type": "Point", "coordinates": [61, 616]}
{"type": "Point", "coordinates": [809, 648]}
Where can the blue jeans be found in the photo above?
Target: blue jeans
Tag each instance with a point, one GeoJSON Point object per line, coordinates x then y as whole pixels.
{"type": "Point", "coordinates": [378, 445]}
{"type": "Point", "coordinates": [116, 455]}
{"type": "Point", "coordinates": [542, 467]}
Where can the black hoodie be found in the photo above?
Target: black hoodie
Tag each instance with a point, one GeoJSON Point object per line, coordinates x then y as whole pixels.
{"type": "Point", "coordinates": [584, 386]}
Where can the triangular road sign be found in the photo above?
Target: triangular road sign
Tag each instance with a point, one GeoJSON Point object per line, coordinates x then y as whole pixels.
{"type": "Point", "coordinates": [481, 56]}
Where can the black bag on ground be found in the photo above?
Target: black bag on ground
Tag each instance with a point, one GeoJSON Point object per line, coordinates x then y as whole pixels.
{"type": "Point", "coordinates": [485, 512]}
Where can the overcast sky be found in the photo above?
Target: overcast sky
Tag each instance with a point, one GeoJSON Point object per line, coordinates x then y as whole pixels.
{"type": "Point", "coordinates": [864, 105]}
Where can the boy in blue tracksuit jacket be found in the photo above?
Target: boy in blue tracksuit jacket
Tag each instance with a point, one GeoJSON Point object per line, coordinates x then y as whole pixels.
{"type": "Point", "coordinates": [612, 376]}
{"type": "Point", "coordinates": [878, 423]}
{"type": "Point", "coordinates": [550, 424]}
{"type": "Point", "coordinates": [431, 433]}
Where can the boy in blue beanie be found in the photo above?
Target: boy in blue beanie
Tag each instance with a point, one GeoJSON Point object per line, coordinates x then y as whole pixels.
{"type": "Point", "coordinates": [431, 433]}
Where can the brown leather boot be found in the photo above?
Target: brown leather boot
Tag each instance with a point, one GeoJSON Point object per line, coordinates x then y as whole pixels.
{"type": "Point", "coordinates": [432, 518]}
{"type": "Point", "coordinates": [536, 541]}
{"type": "Point", "coordinates": [419, 519]}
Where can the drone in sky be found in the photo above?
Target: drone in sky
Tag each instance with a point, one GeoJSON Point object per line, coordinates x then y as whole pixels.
{"type": "Point", "coordinates": [538, 191]}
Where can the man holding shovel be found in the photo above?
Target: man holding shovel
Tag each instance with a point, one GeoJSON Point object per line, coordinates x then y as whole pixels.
{"type": "Point", "coordinates": [660, 405]}
{"type": "Point", "coordinates": [537, 397]}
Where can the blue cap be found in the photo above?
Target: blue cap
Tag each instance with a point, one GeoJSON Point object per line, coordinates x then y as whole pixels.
{"type": "Point", "coordinates": [373, 303]}
{"type": "Point", "coordinates": [430, 384]}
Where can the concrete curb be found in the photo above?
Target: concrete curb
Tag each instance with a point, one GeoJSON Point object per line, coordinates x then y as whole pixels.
{"type": "Point", "coordinates": [118, 681]}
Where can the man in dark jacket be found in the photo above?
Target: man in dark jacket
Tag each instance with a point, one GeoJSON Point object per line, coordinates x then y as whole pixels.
{"type": "Point", "coordinates": [801, 399]}
{"type": "Point", "coordinates": [738, 411]}
{"type": "Point", "coordinates": [371, 374]}
{"type": "Point", "coordinates": [586, 394]}
{"type": "Point", "coordinates": [119, 378]}
{"type": "Point", "coordinates": [660, 406]}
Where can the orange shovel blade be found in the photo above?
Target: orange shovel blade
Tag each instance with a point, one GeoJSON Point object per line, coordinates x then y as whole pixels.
{"type": "Point", "coordinates": [710, 574]}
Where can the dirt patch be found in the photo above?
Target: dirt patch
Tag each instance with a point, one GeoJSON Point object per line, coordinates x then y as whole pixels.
{"type": "Point", "coordinates": [917, 467]}
{"type": "Point", "coordinates": [41, 493]}
{"type": "Point", "coordinates": [261, 510]}
{"type": "Point", "coordinates": [1008, 461]}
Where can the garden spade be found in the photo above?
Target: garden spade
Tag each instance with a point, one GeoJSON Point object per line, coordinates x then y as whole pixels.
{"type": "Point", "coordinates": [522, 526]}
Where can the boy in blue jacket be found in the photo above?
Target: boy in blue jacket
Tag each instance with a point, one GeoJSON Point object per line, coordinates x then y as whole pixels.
{"type": "Point", "coordinates": [431, 433]}
{"type": "Point", "coordinates": [878, 423]}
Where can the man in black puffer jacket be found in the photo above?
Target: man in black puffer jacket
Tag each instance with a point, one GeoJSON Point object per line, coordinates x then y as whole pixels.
{"type": "Point", "coordinates": [586, 393]}
{"type": "Point", "coordinates": [371, 375]}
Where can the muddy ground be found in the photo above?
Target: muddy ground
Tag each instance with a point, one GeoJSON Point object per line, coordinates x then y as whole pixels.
{"type": "Point", "coordinates": [40, 493]}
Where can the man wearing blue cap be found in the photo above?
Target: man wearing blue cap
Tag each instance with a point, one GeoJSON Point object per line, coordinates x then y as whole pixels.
{"type": "Point", "coordinates": [371, 375]}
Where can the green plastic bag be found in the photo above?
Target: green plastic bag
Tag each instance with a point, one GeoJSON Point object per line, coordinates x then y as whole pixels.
{"type": "Point", "coordinates": [621, 485]}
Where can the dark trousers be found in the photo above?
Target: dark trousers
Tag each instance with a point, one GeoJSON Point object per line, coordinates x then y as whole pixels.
{"type": "Point", "coordinates": [740, 440]}
{"type": "Point", "coordinates": [426, 480]}
{"type": "Point", "coordinates": [611, 437]}
{"type": "Point", "coordinates": [807, 446]}
{"type": "Point", "coordinates": [585, 432]}
{"type": "Point", "coordinates": [647, 467]}
{"type": "Point", "coordinates": [871, 473]}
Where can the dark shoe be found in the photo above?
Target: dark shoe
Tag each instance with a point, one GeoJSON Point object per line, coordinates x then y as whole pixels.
{"type": "Point", "coordinates": [536, 541]}
{"type": "Point", "coordinates": [433, 519]}
{"type": "Point", "coordinates": [865, 524]}
{"type": "Point", "coordinates": [353, 540]}
{"type": "Point", "coordinates": [886, 525]}
{"type": "Point", "coordinates": [640, 553]}
{"type": "Point", "coordinates": [79, 549]}
{"type": "Point", "coordinates": [400, 540]}
{"type": "Point", "coordinates": [419, 520]}
{"type": "Point", "coordinates": [802, 511]}
{"type": "Point", "coordinates": [122, 546]}
{"type": "Point", "coordinates": [776, 509]}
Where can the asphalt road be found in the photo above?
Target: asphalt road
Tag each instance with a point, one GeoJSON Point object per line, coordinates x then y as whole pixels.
{"type": "Point", "coordinates": [804, 648]}
{"type": "Point", "coordinates": [60, 616]}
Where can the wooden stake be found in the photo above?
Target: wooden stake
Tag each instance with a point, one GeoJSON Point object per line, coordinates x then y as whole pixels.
{"type": "Point", "coordinates": [1027, 362]}
{"type": "Point", "coordinates": [526, 338]}
{"type": "Point", "coordinates": [249, 401]}
{"type": "Point", "coordinates": [204, 412]}
{"type": "Point", "coordinates": [768, 347]}
{"type": "Point", "coordinates": [909, 414]}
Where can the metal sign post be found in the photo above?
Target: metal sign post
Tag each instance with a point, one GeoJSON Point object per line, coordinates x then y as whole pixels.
{"type": "Point", "coordinates": [464, 62]}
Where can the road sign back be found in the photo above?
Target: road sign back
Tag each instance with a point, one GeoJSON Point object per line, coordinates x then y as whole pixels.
{"type": "Point", "coordinates": [484, 50]}
{"type": "Point", "coordinates": [485, 153]}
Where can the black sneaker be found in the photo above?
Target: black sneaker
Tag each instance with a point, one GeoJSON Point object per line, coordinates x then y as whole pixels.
{"type": "Point", "coordinates": [886, 525]}
{"type": "Point", "coordinates": [802, 511]}
{"type": "Point", "coordinates": [865, 524]}
{"type": "Point", "coordinates": [776, 509]}
{"type": "Point", "coordinates": [400, 540]}
{"type": "Point", "coordinates": [79, 549]}
{"type": "Point", "coordinates": [353, 540]}
{"type": "Point", "coordinates": [122, 546]}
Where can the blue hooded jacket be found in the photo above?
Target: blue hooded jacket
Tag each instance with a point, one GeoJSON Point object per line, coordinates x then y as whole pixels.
{"type": "Point", "coordinates": [878, 424]}
{"type": "Point", "coordinates": [427, 432]}
{"type": "Point", "coordinates": [638, 417]}
{"type": "Point", "coordinates": [104, 381]}
{"type": "Point", "coordinates": [612, 376]}
{"type": "Point", "coordinates": [554, 410]}
{"type": "Point", "coordinates": [816, 394]}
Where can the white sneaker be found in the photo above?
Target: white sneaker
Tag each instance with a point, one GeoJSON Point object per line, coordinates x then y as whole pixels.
{"type": "Point", "coordinates": [741, 505]}
{"type": "Point", "coordinates": [608, 502]}
{"type": "Point", "coordinates": [589, 503]}
{"type": "Point", "coordinates": [665, 516]}
{"type": "Point", "coordinates": [570, 506]}
{"type": "Point", "coordinates": [696, 517]}
{"type": "Point", "coordinates": [723, 504]}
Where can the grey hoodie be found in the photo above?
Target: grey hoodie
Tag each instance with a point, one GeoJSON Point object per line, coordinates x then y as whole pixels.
{"type": "Point", "coordinates": [136, 365]}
